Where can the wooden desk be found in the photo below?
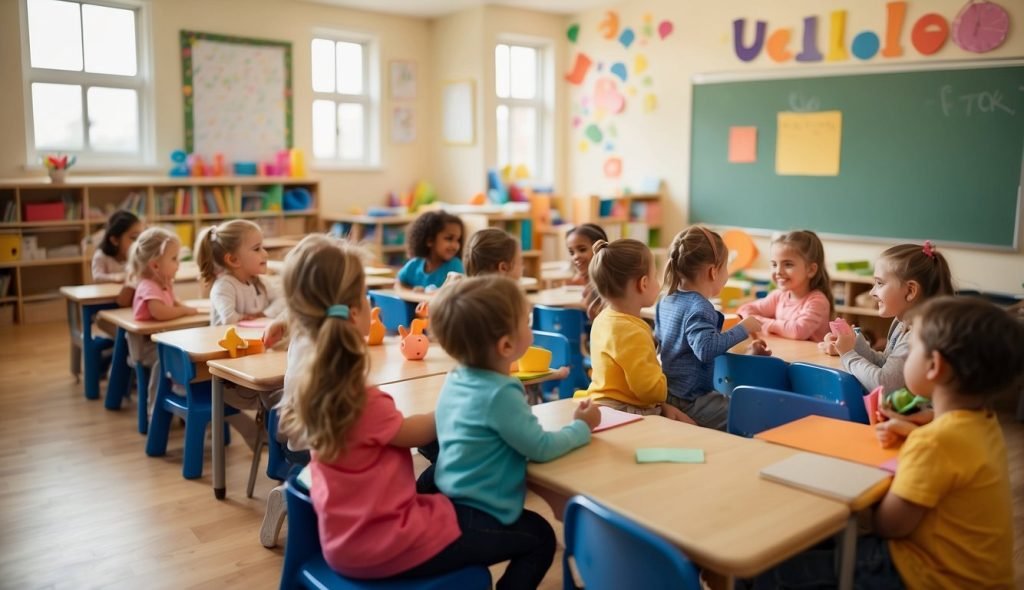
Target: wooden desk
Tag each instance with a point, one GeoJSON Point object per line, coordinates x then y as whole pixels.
{"type": "Point", "coordinates": [722, 514]}
{"type": "Point", "coordinates": [117, 385]}
{"type": "Point", "coordinates": [83, 303]}
{"type": "Point", "coordinates": [793, 351]}
{"type": "Point", "coordinates": [568, 296]}
{"type": "Point", "coordinates": [265, 372]}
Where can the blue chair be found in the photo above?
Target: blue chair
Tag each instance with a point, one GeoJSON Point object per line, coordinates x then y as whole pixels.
{"type": "Point", "coordinates": [195, 407]}
{"type": "Point", "coordinates": [568, 323]}
{"type": "Point", "coordinates": [277, 461]}
{"type": "Point", "coordinates": [560, 357]}
{"type": "Point", "coordinates": [829, 384]}
{"type": "Point", "coordinates": [733, 370]}
{"type": "Point", "coordinates": [394, 311]}
{"type": "Point", "coordinates": [304, 565]}
{"type": "Point", "coordinates": [87, 348]}
{"type": "Point", "coordinates": [756, 409]}
{"type": "Point", "coordinates": [601, 542]}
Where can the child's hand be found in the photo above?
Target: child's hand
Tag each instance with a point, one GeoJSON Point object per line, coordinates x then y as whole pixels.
{"type": "Point", "coordinates": [190, 310]}
{"type": "Point", "coordinates": [561, 373]}
{"type": "Point", "coordinates": [274, 333]}
{"type": "Point", "coordinates": [844, 343]}
{"type": "Point", "coordinates": [752, 324]}
{"type": "Point", "coordinates": [892, 432]}
{"type": "Point", "coordinates": [919, 418]}
{"type": "Point", "coordinates": [828, 345]}
{"type": "Point", "coordinates": [673, 413]}
{"type": "Point", "coordinates": [759, 347]}
{"type": "Point", "coordinates": [589, 413]}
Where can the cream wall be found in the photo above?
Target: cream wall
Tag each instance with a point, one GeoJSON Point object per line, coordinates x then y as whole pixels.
{"type": "Point", "coordinates": [288, 20]}
{"type": "Point", "coordinates": [657, 144]}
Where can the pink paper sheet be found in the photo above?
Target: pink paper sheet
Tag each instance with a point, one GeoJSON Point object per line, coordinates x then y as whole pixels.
{"type": "Point", "coordinates": [610, 418]}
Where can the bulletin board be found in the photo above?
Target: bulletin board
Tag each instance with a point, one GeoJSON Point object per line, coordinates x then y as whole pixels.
{"type": "Point", "coordinates": [902, 154]}
{"type": "Point", "coordinates": [237, 95]}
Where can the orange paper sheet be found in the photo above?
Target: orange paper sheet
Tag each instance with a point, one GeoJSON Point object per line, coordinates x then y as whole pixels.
{"type": "Point", "coordinates": [836, 438]}
{"type": "Point", "coordinates": [742, 145]}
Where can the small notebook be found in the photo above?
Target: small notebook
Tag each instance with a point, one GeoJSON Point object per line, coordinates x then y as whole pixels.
{"type": "Point", "coordinates": [826, 476]}
{"type": "Point", "coordinates": [670, 455]}
{"type": "Point", "coordinates": [610, 418]}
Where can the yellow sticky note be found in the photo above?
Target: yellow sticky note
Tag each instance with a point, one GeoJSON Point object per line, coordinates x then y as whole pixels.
{"type": "Point", "coordinates": [808, 143]}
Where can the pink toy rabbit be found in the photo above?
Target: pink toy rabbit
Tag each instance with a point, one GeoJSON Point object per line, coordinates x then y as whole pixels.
{"type": "Point", "coordinates": [414, 343]}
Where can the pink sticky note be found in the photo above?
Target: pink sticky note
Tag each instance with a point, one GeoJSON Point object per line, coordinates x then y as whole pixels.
{"type": "Point", "coordinates": [255, 323]}
{"type": "Point", "coordinates": [890, 465]}
{"type": "Point", "coordinates": [610, 418]}
{"type": "Point", "coordinates": [742, 145]}
{"type": "Point", "coordinates": [871, 404]}
{"type": "Point", "coordinates": [840, 327]}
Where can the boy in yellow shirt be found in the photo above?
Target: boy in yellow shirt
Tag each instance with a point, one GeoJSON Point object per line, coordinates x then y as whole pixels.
{"type": "Point", "coordinates": [946, 520]}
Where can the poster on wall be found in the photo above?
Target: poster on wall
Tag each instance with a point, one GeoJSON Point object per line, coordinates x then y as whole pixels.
{"type": "Point", "coordinates": [403, 80]}
{"type": "Point", "coordinates": [403, 125]}
{"type": "Point", "coordinates": [459, 112]}
{"type": "Point", "coordinates": [238, 96]}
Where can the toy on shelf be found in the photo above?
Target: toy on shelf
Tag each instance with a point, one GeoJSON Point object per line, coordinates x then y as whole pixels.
{"type": "Point", "coordinates": [238, 346]}
{"type": "Point", "coordinates": [297, 163]}
{"type": "Point", "coordinates": [377, 330]}
{"type": "Point", "coordinates": [196, 165]}
{"type": "Point", "coordinates": [217, 168]}
{"type": "Point", "coordinates": [414, 343]}
{"type": "Point", "coordinates": [179, 161]}
{"type": "Point", "coordinates": [57, 166]}
{"type": "Point", "coordinates": [861, 267]}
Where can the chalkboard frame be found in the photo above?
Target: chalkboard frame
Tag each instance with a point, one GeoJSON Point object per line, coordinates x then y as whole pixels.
{"type": "Point", "coordinates": [822, 72]}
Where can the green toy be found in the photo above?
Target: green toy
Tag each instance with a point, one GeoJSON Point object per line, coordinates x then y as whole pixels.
{"type": "Point", "coordinates": [904, 402]}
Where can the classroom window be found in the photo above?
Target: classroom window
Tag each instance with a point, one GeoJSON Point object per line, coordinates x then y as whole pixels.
{"type": "Point", "coordinates": [523, 114]}
{"type": "Point", "coordinates": [86, 85]}
{"type": "Point", "coordinates": [345, 101]}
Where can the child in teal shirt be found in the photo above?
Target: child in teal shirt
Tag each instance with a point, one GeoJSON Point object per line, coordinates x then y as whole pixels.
{"type": "Point", "coordinates": [435, 249]}
{"type": "Point", "coordinates": [485, 428]}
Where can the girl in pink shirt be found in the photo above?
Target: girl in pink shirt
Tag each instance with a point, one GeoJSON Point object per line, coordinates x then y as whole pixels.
{"type": "Point", "coordinates": [802, 305]}
{"type": "Point", "coordinates": [373, 524]}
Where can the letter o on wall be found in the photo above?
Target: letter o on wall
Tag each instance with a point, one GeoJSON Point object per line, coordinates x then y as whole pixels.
{"type": "Point", "coordinates": [930, 33]}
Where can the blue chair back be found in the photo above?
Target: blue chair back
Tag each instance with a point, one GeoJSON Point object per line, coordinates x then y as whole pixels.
{"type": "Point", "coordinates": [277, 462]}
{"type": "Point", "coordinates": [733, 370]}
{"type": "Point", "coordinates": [601, 542]}
{"type": "Point", "coordinates": [571, 324]}
{"type": "Point", "coordinates": [831, 385]}
{"type": "Point", "coordinates": [304, 565]}
{"type": "Point", "coordinates": [394, 311]}
{"type": "Point", "coordinates": [756, 409]}
{"type": "Point", "coordinates": [560, 357]}
{"type": "Point", "coordinates": [176, 363]}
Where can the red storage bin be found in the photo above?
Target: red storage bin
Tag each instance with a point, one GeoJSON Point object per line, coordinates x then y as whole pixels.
{"type": "Point", "coordinates": [44, 211]}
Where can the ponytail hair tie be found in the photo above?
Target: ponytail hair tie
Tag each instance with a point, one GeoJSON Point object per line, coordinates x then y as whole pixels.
{"type": "Point", "coordinates": [213, 233]}
{"type": "Point", "coordinates": [928, 249]}
{"type": "Point", "coordinates": [599, 245]}
{"type": "Point", "coordinates": [338, 311]}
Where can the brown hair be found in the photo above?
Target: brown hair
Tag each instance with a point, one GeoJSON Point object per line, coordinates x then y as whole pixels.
{"type": "Point", "coordinates": [470, 316]}
{"type": "Point", "coordinates": [808, 245]}
{"type": "Point", "coordinates": [981, 342]}
{"type": "Point", "coordinates": [591, 231]}
{"type": "Point", "coordinates": [151, 244]}
{"type": "Point", "coordinates": [487, 249]}
{"type": "Point", "coordinates": [426, 228]}
{"type": "Point", "coordinates": [617, 263]}
{"type": "Point", "coordinates": [692, 249]}
{"type": "Point", "coordinates": [318, 273]}
{"type": "Point", "coordinates": [216, 242]}
{"type": "Point", "coordinates": [922, 264]}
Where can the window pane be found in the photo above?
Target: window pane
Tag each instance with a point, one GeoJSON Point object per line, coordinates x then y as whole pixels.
{"type": "Point", "coordinates": [523, 127]}
{"type": "Point", "coordinates": [502, 131]}
{"type": "Point", "coordinates": [325, 129]}
{"type": "Point", "coordinates": [501, 70]}
{"type": "Point", "coordinates": [55, 35]}
{"type": "Point", "coordinates": [350, 68]}
{"type": "Point", "coordinates": [323, 66]}
{"type": "Point", "coordinates": [113, 119]}
{"type": "Point", "coordinates": [109, 35]}
{"type": "Point", "coordinates": [350, 131]}
{"type": "Point", "coordinates": [523, 72]}
{"type": "Point", "coordinates": [57, 116]}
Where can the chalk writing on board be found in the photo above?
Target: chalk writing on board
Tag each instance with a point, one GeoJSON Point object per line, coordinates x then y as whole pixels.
{"type": "Point", "coordinates": [972, 102]}
{"type": "Point", "coordinates": [803, 104]}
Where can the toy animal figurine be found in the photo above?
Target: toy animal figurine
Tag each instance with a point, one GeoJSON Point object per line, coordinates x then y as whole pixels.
{"type": "Point", "coordinates": [423, 313]}
{"type": "Point", "coordinates": [414, 343]}
{"type": "Point", "coordinates": [238, 346]}
{"type": "Point", "coordinates": [376, 336]}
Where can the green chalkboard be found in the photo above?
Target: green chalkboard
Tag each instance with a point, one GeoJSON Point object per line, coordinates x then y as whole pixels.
{"type": "Point", "coordinates": [927, 154]}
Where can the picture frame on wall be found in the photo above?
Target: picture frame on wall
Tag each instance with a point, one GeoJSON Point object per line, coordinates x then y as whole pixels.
{"type": "Point", "coordinates": [403, 125]}
{"type": "Point", "coordinates": [403, 80]}
{"type": "Point", "coordinates": [458, 99]}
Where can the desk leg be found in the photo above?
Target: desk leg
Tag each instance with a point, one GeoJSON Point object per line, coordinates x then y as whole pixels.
{"type": "Point", "coordinates": [217, 400]}
{"type": "Point", "coordinates": [117, 385]}
{"type": "Point", "coordinates": [92, 355]}
{"type": "Point", "coordinates": [74, 318]}
{"type": "Point", "coordinates": [848, 555]}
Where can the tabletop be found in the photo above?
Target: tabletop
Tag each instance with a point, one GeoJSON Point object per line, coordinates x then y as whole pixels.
{"type": "Point", "coordinates": [793, 351]}
{"type": "Point", "coordinates": [201, 343]}
{"type": "Point", "coordinates": [89, 294]}
{"type": "Point", "coordinates": [125, 318]}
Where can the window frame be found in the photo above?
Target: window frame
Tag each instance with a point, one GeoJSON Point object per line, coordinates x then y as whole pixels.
{"type": "Point", "coordinates": [141, 83]}
{"type": "Point", "coordinates": [369, 99]}
{"type": "Point", "coordinates": [542, 104]}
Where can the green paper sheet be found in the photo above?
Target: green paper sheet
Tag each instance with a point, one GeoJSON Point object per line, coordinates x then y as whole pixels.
{"type": "Point", "coordinates": [670, 455]}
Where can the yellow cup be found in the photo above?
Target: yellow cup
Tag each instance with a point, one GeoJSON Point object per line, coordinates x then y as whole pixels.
{"type": "Point", "coordinates": [536, 360]}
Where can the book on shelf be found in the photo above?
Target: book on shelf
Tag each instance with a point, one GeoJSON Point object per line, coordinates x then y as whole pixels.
{"type": "Point", "coordinates": [637, 230]}
{"type": "Point", "coordinates": [134, 202]}
{"type": "Point", "coordinates": [5, 283]}
{"type": "Point", "coordinates": [10, 212]}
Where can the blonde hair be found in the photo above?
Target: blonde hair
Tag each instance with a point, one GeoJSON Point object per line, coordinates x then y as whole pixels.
{"type": "Point", "coordinates": [487, 249]}
{"type": "Point", "coordinates": [924, 265]}
{"type": "Point", "coordinates": [692, 249]}
{"type": "Point", "coordinates": [216, 242]}
{"type": "Point", "coordinates": [808, 245]}
{"type": "Point", "coordinates": [617, 263]}
{"type": "Point", "coordinates": [320, 272]}
{"type": "Point", "coordinates": [150, 245]}
{"type": "Point", "coordinates": [468, 317]}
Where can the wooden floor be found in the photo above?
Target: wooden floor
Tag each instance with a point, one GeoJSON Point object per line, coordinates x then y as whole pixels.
{"type": "Point", "coordinates": [82, 506]}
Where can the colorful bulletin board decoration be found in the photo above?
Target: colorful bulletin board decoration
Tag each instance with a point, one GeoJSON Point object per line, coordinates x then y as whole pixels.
{"type": "Point", "coordinates": [979, 27]}
{"type": "Point", "coordinates": [238, 95]}
{"type": "Point", "coordinates": [605, 89]}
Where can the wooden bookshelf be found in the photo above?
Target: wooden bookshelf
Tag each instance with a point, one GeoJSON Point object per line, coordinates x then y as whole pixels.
{"type": "Point", "coordinates": [638, 216]}
{"type": "Point", "coordinates": [382, 236]}
{"type": "Point", "coordinates": [33, 283]}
